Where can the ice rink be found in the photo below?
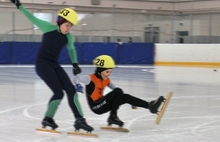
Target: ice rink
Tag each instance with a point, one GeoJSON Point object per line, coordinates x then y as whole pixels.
{"type": "Point", "coordinates": [193, 114]}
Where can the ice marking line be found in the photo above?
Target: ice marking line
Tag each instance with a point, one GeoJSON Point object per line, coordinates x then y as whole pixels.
{"type": "Point", "coordinates": [194, 130]}
{"type": "Point", "coordinates": [183, 97]}
{"type": "Point", "coordinates": [26, 114]}
{"type": "Point", "coordinates": [43, 139]}
{"type": "Point", "coordinates": [192, 117]}
{"type": "Point", "coordinates": [208, 128]}
{"type": "Point", "coordinates": [10, 138]}
{"type": "Point", "coordinates": [133, 120]}
{"type": "Point", "coordinates": [8, 110]}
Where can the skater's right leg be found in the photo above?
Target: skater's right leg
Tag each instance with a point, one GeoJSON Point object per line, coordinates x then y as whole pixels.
{"type": "Point", "coordinates": [113, 119]}
{"type": "Point", "coordinates": [47, 73]}
{"type": "Point", "coordinates": [72, 96]}
{"type": "Point", "coordinates": [107, 104]}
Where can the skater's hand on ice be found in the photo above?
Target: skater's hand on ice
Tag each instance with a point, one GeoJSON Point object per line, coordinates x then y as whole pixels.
{"type": "Point", "coordinates": [16, 2]}
{"type": "Point", "coordinates": [76, 69]}
{"type": "Point", "coordinates": [79, 88]}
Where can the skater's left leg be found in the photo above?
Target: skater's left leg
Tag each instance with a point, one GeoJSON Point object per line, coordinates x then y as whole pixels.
{"type": "Point", "coordinates": [48, 74]}
{"type": "Point", "coordinates": [121, 98]}
{"type": "Point", "coordinates": [154, 105]}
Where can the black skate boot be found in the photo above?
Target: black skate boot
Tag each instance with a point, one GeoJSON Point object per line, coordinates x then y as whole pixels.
{"type": "Point", "coordinates": [80, 123]}
{"type": "Point", "coordinates": [49, 122]}
{"type": "Point", "coordinates": [113, 119]}
{"type": "Point", "coordinates": [154, 105]}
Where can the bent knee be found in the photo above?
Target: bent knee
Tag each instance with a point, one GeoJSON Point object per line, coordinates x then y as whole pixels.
{"type": "Point", "coordinates": [118, 91]}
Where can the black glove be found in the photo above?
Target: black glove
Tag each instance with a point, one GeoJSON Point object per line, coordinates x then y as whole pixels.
{"type": "Point", "coordinates": [16, 2]}
{"type": "Point", "coordinates": [76, 69]}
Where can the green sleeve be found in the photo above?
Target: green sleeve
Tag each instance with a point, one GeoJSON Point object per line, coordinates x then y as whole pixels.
{"type": "Point", "coordinates": [71, 48]}
{"type": "Point", "coordinates": [44, 26]}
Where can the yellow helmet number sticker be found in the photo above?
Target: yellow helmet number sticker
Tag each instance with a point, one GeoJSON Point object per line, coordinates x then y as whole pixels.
{"type": "Point", "coordinates": [100, 62]}
{"type": "Point", "coordinates": [64, 12]}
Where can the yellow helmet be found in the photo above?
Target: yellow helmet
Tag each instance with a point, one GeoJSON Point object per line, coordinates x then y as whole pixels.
{"type": "Point", "coordinates": [104, 61]}
{"type": "Point", "coordinates": [69, 14]}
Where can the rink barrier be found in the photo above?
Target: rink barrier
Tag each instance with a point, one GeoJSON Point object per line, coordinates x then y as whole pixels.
{"type": "Point", "coordinates": [189, 64]}
{"type": "Point", "coordinates": [127, 53]}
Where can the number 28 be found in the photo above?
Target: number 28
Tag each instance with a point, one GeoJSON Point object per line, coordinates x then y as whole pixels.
{"type": "Point", "coordinates": [99, 62]}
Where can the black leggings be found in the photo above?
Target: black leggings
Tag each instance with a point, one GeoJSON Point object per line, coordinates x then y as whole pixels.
{"type": "Point", "coordinates": [112, 101]}
{"type": "Point", "coordinates": [57, 80]}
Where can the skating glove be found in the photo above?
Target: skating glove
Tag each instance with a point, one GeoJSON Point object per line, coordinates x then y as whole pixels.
{"type": "Point", "coordinates": [79, 88]}
{"type": "Point", "coordinates": [16, 2]}
{"type": "Point", "coordinates": [76, 69]}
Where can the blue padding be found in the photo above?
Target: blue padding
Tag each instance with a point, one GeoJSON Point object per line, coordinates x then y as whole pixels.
{"type": "Point", "coordinates": [128, 53]}
{"type": "Point", "coordinates": [5, 53]}
{"type": "Point", "coordinates": [64, 55]}
{"type": "Point", "coordinates": [25, 52]}
{"type": "Point", "coordinates": [92, 50]}
{"type": "Point", "coordinates": [136, 53]}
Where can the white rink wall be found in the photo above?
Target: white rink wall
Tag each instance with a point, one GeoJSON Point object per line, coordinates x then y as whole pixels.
{"type": "Point", "coordinates": [187, 54]}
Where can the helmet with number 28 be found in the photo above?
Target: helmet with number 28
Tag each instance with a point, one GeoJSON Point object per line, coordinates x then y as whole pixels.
{"type": "Point", "coordinates": [69, 14]}
{"type": "Point", "coordinates": [104, 61]}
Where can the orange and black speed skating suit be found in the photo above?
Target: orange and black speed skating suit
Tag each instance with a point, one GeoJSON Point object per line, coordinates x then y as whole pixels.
{"type": "Point", "coordinates": [100, 103]}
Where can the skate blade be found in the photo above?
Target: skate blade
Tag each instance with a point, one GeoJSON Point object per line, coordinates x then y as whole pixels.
{"type": "Point", "coordinates": [47, 130]}
{"type": "Point", "coordinates": [162, 110]}
{"type": "Point", "coordinates": [82, 134]}
{"type": "Point", "coordinates": [134, 107]}
{"type": "Point", "coordinates": [120, 129]}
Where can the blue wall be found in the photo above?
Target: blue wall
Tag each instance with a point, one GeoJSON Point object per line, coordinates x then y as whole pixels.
{"type": "Point", "coordinates": [128, 53]}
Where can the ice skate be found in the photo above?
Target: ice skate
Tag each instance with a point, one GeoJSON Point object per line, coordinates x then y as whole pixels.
{"type": "Point", "coordinates": [80, 123]}
{"type": "Point", "coordinates": [48, 122]}
{"type": "Point", "coordinates": [113, 119]}
{"type": "Point", "coordinates": [154, 105]}
{"type": "Point", "coordinates": [162, 110]}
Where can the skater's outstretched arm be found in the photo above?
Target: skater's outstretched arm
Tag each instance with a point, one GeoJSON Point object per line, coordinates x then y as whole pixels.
{"type": "Point", "coordinates": [44, 26]}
